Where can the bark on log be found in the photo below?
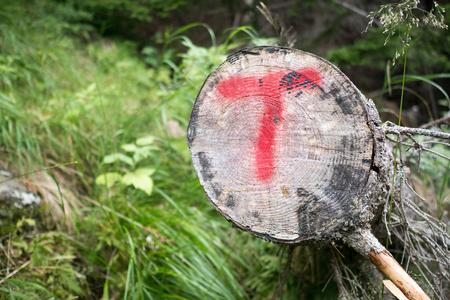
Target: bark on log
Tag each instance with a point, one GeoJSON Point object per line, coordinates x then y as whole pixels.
{"type": "Point", "coordinates": [288, 149]}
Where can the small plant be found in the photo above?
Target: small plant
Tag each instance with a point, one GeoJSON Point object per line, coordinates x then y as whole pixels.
{"type": "Point", "coordinates": [393, 17]}
{"type": "Point", "coordinates": [137, 177]}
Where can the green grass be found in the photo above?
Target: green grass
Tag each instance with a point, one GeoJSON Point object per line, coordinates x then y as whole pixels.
{"type": "Point", "coordinates": [65, 105]}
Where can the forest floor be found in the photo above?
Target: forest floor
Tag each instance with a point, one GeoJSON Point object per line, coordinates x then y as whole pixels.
{"type": "Point", "coordinates": [97, 127]}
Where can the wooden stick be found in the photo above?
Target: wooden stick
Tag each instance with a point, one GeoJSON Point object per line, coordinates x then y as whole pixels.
{"type": "Point", "coordinates": [365, 243]}
{"type": "Point", "coordinates": [15, 271]}
{"type": "Point", "coordinates": [390, 127]}
{"type": "Point", "coordinates": [392, 269]}
{"type": "Point", "coordinates": [445, 119]}
{"type": "Point", "coordinates": [394, 290]}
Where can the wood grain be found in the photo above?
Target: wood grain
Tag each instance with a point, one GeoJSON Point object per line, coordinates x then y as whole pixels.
{"type": "Point", "coordinates": [281, 143]}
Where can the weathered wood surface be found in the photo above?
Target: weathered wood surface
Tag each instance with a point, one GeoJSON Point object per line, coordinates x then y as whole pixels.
{"type": "Point", "coordinates": [281, 142]}
{"type": "Point", "coordinates": [289, 150]}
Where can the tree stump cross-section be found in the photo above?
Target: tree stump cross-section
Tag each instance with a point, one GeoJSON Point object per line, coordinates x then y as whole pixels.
{"type": "Point", "coordinates": [281, 142]}
{"type": "Point", "coordinates": [288, 149]}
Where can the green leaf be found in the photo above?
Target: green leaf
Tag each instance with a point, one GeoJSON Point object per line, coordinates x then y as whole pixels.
{"type": "Point", "coordinates": [23, 284]}
{"type": "Point", "coordinates": [129, 147]}
{"type": "Point", "coordinates": [139, 180]}
{"type": "Point", "coordinates": [13, 294]}
{"type": "Point", "coordinates": [108, 179]}
{"type": "Point", "coordinates": [143, 152]}
{"type": "Point", "coordinates": [184, 28]}
{"type": "Point", "coordinates": [20, 244]}
{"type": "Point", "coordinates": [112, 158]}
{"type": "Point", "coordinates": [146, 140]}
{"type": "Point", "coordinates": [145, 171]}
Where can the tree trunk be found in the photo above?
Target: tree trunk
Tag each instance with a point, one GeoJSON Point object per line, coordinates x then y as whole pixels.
{"type": "Point", "coordinates": [288, 149]}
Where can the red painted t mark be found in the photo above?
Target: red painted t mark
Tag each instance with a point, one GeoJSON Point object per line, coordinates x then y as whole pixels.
{"type": "Point", "coordinates": [272, 88]}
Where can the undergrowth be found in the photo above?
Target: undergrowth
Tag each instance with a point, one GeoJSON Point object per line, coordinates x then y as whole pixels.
{"type": "Point", "coordinates": [87, 122]}
{"type": "Point", "coordinates": [74, 110]}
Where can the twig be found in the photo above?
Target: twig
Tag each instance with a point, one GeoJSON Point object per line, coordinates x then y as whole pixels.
{"type": "Point", "coordinates": [343, 293]}
{"type": "Point", "coordinates": [421, 260]}
{"type": "Point", "coordinates": [425, 248]}
{"type": "Point", "coordinates": [436, 142]}
{"type": "Point", "coordinates": [390, 127]}
{"type": "Point", "coordinates": [445, 119]}
{"type": "Point", "coordinates": [419, 147]}
{"type": "Point", "coordinates": [419, 244]}
{"type": "Point", "coordinates": [15, 271]}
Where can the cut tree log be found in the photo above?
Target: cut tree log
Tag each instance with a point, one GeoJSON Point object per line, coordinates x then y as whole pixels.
{"type": "Point", "coordinates": [288, 149]}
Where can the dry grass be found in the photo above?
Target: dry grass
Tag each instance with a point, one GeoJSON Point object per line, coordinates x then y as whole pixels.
{"type": "Point", "coordinates": [60, 204]}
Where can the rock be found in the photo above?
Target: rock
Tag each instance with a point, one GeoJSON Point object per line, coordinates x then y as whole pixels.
{"type": "Point", "coordinates": [17, 204]}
